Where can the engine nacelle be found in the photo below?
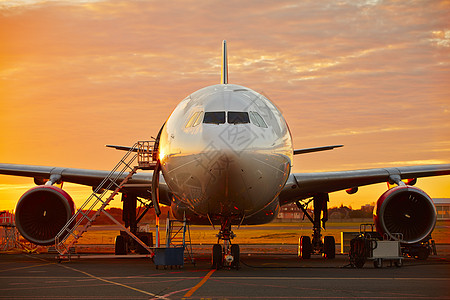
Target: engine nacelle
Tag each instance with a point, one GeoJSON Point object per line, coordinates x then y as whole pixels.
{"type": "Point", "coordinates": [407, 210]}
{"type": "Point", "coordinates": [41, 213]}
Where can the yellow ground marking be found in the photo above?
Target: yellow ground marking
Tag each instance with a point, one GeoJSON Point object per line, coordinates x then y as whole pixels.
{"type": "Point", "coordinates": [27, 267]}
{"type": "Point", "coordinates": [191, 291]}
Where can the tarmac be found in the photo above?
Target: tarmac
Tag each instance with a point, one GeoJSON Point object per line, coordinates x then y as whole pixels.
{"type": "Point", "coordinates": [267, 272]}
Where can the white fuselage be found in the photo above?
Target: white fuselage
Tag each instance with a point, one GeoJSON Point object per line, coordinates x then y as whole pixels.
{"type": "Point", "coordinates": [225, 152]}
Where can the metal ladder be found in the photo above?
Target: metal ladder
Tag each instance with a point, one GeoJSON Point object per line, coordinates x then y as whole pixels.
{"type": "Point", "coordinates": [179, 235]}
{"type": "Point", "coordinates": [68, 236]}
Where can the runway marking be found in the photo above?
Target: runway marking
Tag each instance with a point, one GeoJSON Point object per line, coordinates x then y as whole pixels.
{"type": "Point", "coordinates": [175, 292]}
{"type": "Point", "coordinates": [90, 279]}
{"type": "Point", "coordinates": [213, 297]}
{"type": "Point", "coordinates": [115, 283]}
{"type": "Point", "coordinates": [21, 288]}
{"type": "Point", "coordinates": [37, 271]}
{"type": "Point", "coordinates": [338, 278]}
{"type": "Point", "coordinates": [237, 277]}
{"type": "Point", "coordinates": [301, 289]}
{"type": "Point", "coordinates": [34, 257]}
{"type": "Point", "coordinates": [324, 297]}
{"type": "Point", "coordinates": [72, 297]}
{"type": "Point", "coordinates": [10, 262]}
{"type": "Point", "coordinates": [27, 267]}
{"type": "Point", "coordinates": [188, 294]}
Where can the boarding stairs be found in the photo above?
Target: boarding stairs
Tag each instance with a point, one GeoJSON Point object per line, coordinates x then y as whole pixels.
{"type": "Point", "coordinates": [142, 154]}
{"type": "Point", "coordinates": [179, 235]}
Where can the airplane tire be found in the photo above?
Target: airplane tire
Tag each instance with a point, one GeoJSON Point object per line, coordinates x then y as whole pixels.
{"type": "Point", "coordinates": [217, 257]}
{"type": "Point", "coordinates": [119, 246]}
{"type": "Point", "coordinates": [235, 252]}
{"type": "Point", "coordinates": [305, 247]}
{"type": "Point", "coordinates": [329, 247]}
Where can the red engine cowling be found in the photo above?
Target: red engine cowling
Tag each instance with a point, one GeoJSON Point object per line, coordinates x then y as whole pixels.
{"type": "Point", "coordinates": [407, 210]}
{"type": "Point", "coordinates": [41, 213]}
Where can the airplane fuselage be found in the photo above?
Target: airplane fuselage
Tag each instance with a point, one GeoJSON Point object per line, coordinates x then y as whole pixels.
{"type": "Point", "coordinates": [226, 152]}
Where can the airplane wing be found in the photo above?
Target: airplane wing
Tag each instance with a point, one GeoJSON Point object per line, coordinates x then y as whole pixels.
{"type": "Point", "coordinates": [305, 185]}
{"type": "Point", "coordinates": [139, 184]}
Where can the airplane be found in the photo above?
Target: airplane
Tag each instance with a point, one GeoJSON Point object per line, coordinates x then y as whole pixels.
{"type": "Point", "coordinates": [224, 157]}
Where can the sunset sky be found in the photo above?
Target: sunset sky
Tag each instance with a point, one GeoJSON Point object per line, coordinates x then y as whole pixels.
{"type": "Point", "coordinates": [372, 75]}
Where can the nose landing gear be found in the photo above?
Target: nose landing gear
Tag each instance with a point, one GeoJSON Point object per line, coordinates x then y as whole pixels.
{"type": "Point", "coordinates": [226, 255]}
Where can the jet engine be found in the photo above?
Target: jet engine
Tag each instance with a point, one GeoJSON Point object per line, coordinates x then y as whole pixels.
{"type": "Point", "coordinates": [406, 210]}
{"type": "Point", "coordinates": [41, 213]}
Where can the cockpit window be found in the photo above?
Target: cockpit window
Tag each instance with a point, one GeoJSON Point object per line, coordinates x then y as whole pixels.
{"type": "Point", "coordinates": [238, 117]}
{"type": "Point", "coordinates": [192, 119]}
{"type": "Point", "coordinates": [199, 119]}
{"type": "Point", "coordinates": [214, 117]}
{"type": "Point", "coordinates": [234, 117]}
{"type": "Point", "coordinates": [257, 119]}
{"type": "Point", "coordinates": [195, 119]}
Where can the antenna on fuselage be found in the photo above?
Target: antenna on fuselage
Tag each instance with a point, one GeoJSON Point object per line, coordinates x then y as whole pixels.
{"type": "Point", "coordinates": [224, 78]}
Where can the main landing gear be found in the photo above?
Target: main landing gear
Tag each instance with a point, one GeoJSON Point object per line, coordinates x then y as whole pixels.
{"type": "Point", "coordinates": [325, 246]}
{"type": "Point", "coordinates": [226, 256]}
{"type": "Point", "coordinates": [124, 244]}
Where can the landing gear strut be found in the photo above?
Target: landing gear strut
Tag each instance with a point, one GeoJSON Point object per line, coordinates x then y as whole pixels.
{"type": "Point", "coordinates": [124, 244]}
{"type": "Point", "coordinates": [226, 256]}
{"type": "Point", "coordinates": [327, 246]}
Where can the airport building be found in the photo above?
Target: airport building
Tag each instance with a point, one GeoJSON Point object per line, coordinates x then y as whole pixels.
{"type": "Point", "coordinates": [291, 211]}
{"type": "Point", "coordinates": [442, 208]}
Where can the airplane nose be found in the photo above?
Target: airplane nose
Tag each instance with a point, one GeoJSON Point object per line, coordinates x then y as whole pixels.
{"type": "Point", "coordinates": [227, 184]}
{"type": "Point", "coordinates": [244, 181]}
